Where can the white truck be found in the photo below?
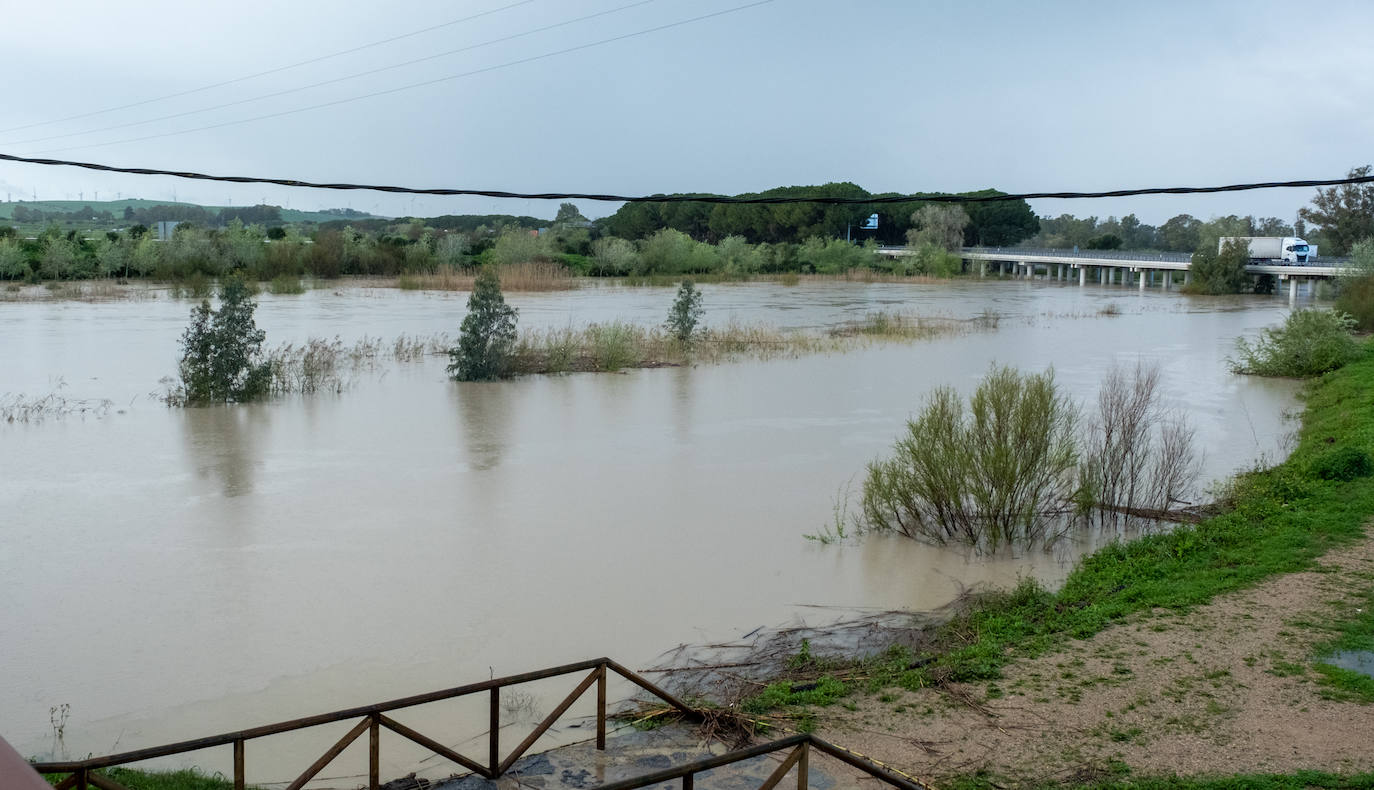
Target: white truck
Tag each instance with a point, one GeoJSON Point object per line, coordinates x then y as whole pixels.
{"type": "Point", "coordinates": [1275, 249]}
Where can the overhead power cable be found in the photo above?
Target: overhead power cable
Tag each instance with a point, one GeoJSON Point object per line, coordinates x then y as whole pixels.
{"type": "Point", "coordinates": [276, 70]}
{"type": "Point", "coordinates": [822, 199]}
{"type": "Point", "coordinates": [425, 83]}
{"type": "Point", "coordinates": [333, 80]}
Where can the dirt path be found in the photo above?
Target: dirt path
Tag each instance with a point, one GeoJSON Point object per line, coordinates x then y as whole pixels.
{"type": "Point", "coordinates": [1224, 689]}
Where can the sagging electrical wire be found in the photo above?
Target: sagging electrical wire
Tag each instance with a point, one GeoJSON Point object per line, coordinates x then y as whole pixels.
{"type": "Point", "coordinates": [691, 198]}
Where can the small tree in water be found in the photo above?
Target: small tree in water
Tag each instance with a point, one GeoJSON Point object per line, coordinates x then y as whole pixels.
{"type": "Point", "coordinates": [221, 359]}
{"type": "Point", "coordinates": [686, 312]}
{"type": "Point", "coordinates": [487, 334]}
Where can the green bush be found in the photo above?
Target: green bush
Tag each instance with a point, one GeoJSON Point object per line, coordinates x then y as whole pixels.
{"type": "Point", "coordinates": [1356, 299]}
{"type": "Point", "coordinates": [1309, 343]}
{"type": "Point", "coordinates": [1344, 464]}
{"type": "Point", "coordinates": [685, 313]}
{"type": "Point", "coordinates": [613, 346]}
{"type": "Point", "coordinates": [221, 357]}
{"type": "Point", "coordinates": [988, 477]}
{"type": "Point", "coordinates": [1220, 272]}
{"type": "Point", "coordinates": [934, 261]}
{"type": "Point", "coordinates": [487, 335]}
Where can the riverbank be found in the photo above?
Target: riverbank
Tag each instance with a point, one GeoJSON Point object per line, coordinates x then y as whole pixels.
{"type": "Point", "coordinates": [1195, 652]}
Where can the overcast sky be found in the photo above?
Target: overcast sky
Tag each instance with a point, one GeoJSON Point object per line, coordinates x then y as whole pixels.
{"type": "Point", "coordinates": [893, 95]}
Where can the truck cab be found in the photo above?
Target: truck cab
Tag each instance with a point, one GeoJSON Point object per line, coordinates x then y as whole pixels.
{"type": "Point", "coordinates": [1296, 250]}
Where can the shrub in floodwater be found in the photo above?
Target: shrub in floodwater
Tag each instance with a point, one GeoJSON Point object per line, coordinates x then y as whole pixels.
{"type": "Point", "coordinates": [613, 345]}
{"type": "Point", "coordinates": [1309, 343]}
{"type": "Point", "coordinates": [286, 285]}
{"type": "Point", "coordinates": [987, 477]}
{"type": "Point", "coordinates": [487, 334]}
{"type": "Point", "coordinates": [1136, 456]}
{"type": "Point", "coordinates": [1344, 464]}
{"type": "Point", "coordinates": [221, 359]}
{"type": "Point", "coordinates": [686, 312]}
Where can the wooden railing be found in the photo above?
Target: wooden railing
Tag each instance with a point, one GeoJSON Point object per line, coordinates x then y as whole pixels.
{"type": "Point", "coordinates": [82, 774]}
{"type": "Point", "coordinates": [800, 745]}
{"type": "Point", "coordinates": [371, 719]}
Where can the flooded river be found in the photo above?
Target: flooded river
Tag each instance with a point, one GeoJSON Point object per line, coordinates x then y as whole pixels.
{"type": "Point", "coordinates": [176, 573]}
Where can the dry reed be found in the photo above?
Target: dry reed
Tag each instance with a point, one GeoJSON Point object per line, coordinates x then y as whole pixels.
{"type": "Point", "coordinates": [528, 276]}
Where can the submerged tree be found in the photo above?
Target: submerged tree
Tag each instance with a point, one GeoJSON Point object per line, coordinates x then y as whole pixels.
{"type": "Point", "coordinates": [487, 335]}
{"type": "Point", "coordinates": [221, 359]}
{"type": "Point", "coordinates": [686, 312]}
{"type": "Point", "coordinates": [1220, 272]}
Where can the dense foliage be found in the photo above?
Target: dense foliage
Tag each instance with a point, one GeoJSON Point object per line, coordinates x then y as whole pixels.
{"type": "Point", "coordinates": [221, 358]}
{"type": "Point", "coordinates": [1221, 272]}
{"type": "Point", "coordinates": [487, 335]}
{"type": "Point", "coordinates": [993, 224]}
{"type": "Point", "coordinates": [1309, 343]}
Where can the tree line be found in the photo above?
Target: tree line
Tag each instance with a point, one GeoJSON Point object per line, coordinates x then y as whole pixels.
{"type": "Point", "coordinates": [1337, 219]}
{"type": "Point", "coordinates": [991, 224]}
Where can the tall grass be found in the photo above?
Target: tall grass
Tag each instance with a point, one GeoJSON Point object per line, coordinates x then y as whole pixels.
{"type": "Point", "coordinates": [323, 365]}
{"type": "Point", "coordinates": [616, 345]}
{"type": "Point", "coordinates": [17, 408]}
{"type": "Point", "coordinates": [528, 276]}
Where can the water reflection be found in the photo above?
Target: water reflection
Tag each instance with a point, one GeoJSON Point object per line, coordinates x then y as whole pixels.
{"type": "Point", "coordinates": [223, 445]}
{"type": "Point", "coordinates": [485, 410]}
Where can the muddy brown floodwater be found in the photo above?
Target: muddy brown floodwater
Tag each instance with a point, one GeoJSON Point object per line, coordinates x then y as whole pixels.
{"type": "Point", "coordinates": [176, 573]}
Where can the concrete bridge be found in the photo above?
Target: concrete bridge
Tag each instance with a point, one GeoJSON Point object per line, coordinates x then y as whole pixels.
{"type": "Point", "coordinates": [1126, 268]}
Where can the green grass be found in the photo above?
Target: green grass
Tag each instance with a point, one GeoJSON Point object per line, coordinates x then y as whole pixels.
{"type": "Point", "coordinates": [1353, 634]}
{"type": "Point", "coordinates": [186, 779]}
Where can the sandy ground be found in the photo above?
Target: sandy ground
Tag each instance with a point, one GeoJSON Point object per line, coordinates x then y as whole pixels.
{"type": "Point", "coordinates": [1227, 688]}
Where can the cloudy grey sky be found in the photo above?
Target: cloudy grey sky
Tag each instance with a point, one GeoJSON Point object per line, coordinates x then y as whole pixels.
{"type": "Point", "coordinates": [893, 95]}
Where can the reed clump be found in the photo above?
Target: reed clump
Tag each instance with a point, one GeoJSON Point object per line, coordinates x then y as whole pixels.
{"type": "Point", "coordinates": [615, 346]}
{"type": "Point", "coordinates": [17, 408]}
{"type": "Point", "coordinates": [527, 276]}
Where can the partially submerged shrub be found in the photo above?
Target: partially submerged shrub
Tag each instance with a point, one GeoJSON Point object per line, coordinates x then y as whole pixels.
{"type": "Point", "coordinates": [1014, 470]}
{"type": "Point", "coordinates": [685, 313]}
{"type": "Point", "coordinates": [1309, 343]}
{"type": "Point", "coordinates": [1136, 456]}
{"type": "Point", "coordinates": [487, 334]}
{"type": "Point", "coordinates": [987, 477]}
{"type": "Point", "coordinates": [221, 358]}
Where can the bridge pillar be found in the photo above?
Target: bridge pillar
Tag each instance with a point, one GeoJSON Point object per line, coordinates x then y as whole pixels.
{"type": "Point", "coordinates": [1187, 276]}
{"type": "Point", "coordinates": [1142, 279]}
{"type": "Point", "coordinates": [982, 268]}
{"type": "Point", "coordinates": [1168, 279]}
{"type": "Point", "coordinates": [1082, 276]}
{"type": "Point", "coordinates": [1292, 291]}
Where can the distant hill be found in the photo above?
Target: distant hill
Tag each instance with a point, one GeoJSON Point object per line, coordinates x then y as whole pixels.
{"type": "Point", "coordinates": [116, 208]}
